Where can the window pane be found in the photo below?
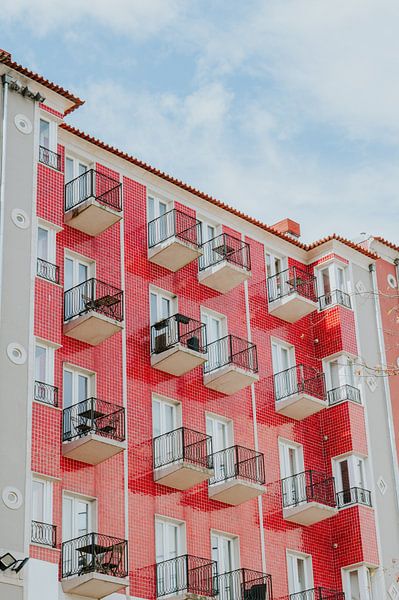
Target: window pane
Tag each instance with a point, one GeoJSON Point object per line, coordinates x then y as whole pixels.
{"type": "Point", "coordinates": [42, 243]}
{"type": "Point", "coordinates": [344, 469]}
{"type": "Point", "coordinates": [354, 585]}
{"type": "Point", "coordinates": [44, 138]}
{"type": "Point", "coordinates": [82, 273]}
{"type": "Point", "coordinates": [41, 364]}
{"type": "Point", "coordinates": [153, 309]}
{"type": "Point", "coordinates": [68, 273]}
{"type": "Point", "coordinates": [82, 518]}
{"type": "Point", "coordinates": [67, 514]}
{"type": "Point", "coordinates": [68, 389]}
{"type": "Point", "coordinates": [165, 308]}
{"type": "Point", "coordinates": [156, 418]}
{"type": "Point", "coordinates": [38, 501]}
{"type": "Point", "coordinates": [83, 388]}
{"type": "Point", "coordinates": [326, 281]}
{"type": "Point", "coordinates": [301, 574]}
{"type": "Point", "coordinates": [68, 170]}
{"type": "Point", "coordinates": [334, 374]}
{"type": "Point", "coordinates": [169, 418]}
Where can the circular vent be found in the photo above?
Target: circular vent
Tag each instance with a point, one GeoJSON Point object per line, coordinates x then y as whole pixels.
{"type": "Point", "coordinates": [23, 124]}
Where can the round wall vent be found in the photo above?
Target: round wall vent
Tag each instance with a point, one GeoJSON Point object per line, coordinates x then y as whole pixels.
{"type": "Point", "coordinates": [16, 353]}
{"type": "Point", "coordinates": [12, 497]}
{"type": "Point", "coordinates": [23, 124]}
{"type": "Point", "coordinates": [20, 218]}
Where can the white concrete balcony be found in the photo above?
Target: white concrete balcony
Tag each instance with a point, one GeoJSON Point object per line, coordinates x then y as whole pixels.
{"type": "Point", "coordinates": [292, 294]}
{"type": "Point", "coordinates": [308, 498]}
{"type": "Point", "coordinates": [182, 458]}
{"type": "Point", "coordinates": [225, 263]}
{"type": "Point", "coordinates": [174, 240]}
{"type": "Point", "coordinates": [232, 365]}
{"type": "Point", "coordinates": [93, 202]}
{"type": "Point", "coordinates": [299, 392]}
{"type": "Point", "coordinates": [178, 344]}
{"type": "Point", "coordinates": [239, 475]}
{"type": "Point", "coordinates": [93, 311]}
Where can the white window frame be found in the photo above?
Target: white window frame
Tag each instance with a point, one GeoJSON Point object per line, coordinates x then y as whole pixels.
{"type": "Point", "coordinates": [279, 344]}
{"type": "Point", "coordinates": [52, 131]}
{"type": "Point", "coordinates": [228, 423]}
{"type": "Point", "coordinates": [284, 446]}
{"type": "Point", "coordinates": [205, 222]}
{"type": "Point", "coordinates": [235, 546]}
{"type": "Point", "coordinates": [181, 533]}
{"type": "Point", "coordinates": [159, 293]}
{"type": "Point", "coordinates": [333, 266]}
{"type": "Point", "coordinates": [270, 262]}
{"type": "Point", "coordinates": [309, 584]}
{"type": "Point", "coordinates": [177, 408]}
{"type": "Point", "coordinates": [51, 241]}
{"type": "Point", "coordinates": [344, 361]}
{"type": "Point", "coordinates": [76, 370]}
{"type": "Point", "coordinates": [76, 160]}
{"type": "Point", "coordinates": [84, 260]}
{"type": "Point", "coordinates": [367, 589]}
{"type": "Point", "coordinates": [47, 508]}
{"type": "Point", "coordinates": [158, 199]}
{"type": "Point", "coordinates": [351, 458]}
{"type": "Point", "coordinates": [92, 513]}
{"type": "Point", "coordinates": [50, 352]}
{"type": "Point", "coordinates": [206, 313]}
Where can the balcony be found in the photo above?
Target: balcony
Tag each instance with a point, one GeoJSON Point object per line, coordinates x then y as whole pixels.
{"type": "Point", "coordinates": [49, 158]}
{"type": "Point", "coordinates": [178, 345]}
{"type": "Point", "coordinates": [244, 584]}
{"type": "Point", "coordinates": [299, 392]}
{"type": "Point", "coordinates": [186, 577]}
{"type": "Point", "coordinates": [354, 495]}
{"type": "Point", "coordinates": [47, 270]}
{"type": "Point", "coordinates": [93, 431]}
{"type": "Point", "coordinates": [225, 263]}
{"type": "Point", "coordinates": [342, 394]}
{"type": "Point", "coordinates": [43, 534]}
{"type": "Point", "coordinates": [319, 593]}
{"type": "Point", "coordinates": [308, 498]}
{"type": "Point", "coordinates": [174, 240]}
{"type": "Point", "coordinates": [94, 565]}
{"type": "Point", "coordinates": [93, 311]}
{"type": "Point", "coordinates": [333, 298]}
{"type": "Point", "coordinates": [93, 202]}
{"type": "Point", "coordinates": [239, 475]}
{"type": "Point", "coordinates": [232, 365]}
{"type": "Point", "coordinates": [46, 393]}
{"type": "Point", "coordinates": [292, 294]}
{"type": "Point", "coordinates": [182, 458]}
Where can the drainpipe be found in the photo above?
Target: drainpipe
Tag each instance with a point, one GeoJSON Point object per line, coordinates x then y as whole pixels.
{"type": "Point", "coordinates": [387, 394]}
{"type": "Point", "coordinates": [396, 263]}
{"type": "Point", "coordinates": [6, 79]}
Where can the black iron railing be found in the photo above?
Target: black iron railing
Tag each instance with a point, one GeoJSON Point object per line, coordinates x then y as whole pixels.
{"type": "Point", "coordinates": [93, 416]}
{"type": "Point", "coordinates": [299, 379]}
{"type": "Point", "coordinates": [183, 444]}
{"type": "Point", "coordinates": [292, 280]}
{"type": "Point", "coordinates": [335, 297]}
{"type": "Point", "coordinates": [319, 593]}
{"type": "Point", "coordinates": [308, 486]}
{"type": "Point", "coordinates": [47, 270]}
{"type": "Point", "coordinates": [228, 248]}
{"type": "Point", "coordinates": [238, 462]}
{"type": "Point", "coordinates": [231, 350]}
{"type": "Point", "coordinates": [178, 329]}
{"type": "Point", "coordinates": [93, 184]}
{"type": "Point", "coordinates": [343, 393]}
{"type": "Point", "coordinates": [186, 573]}
{"type": "Point", "coordinates": [244, 584]}
{"type": "Point", "coordinates": [93, 295]}
{"type": "Point", "coordinates": [354, 495]}
{"type": "Point", "coordinates": [44, 533]}
{"type": "Point", "coordinates": [174, 223]}
{"type": "Point", "coordinates": [44, 392]}
{"type": "Point", "coordinates": [94, 553]}
{"type": "Point", "coordinates": [49, 158]}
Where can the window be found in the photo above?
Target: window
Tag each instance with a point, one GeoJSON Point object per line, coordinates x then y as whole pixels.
{"type": "Point", "coordinates": [44, 363]}
{"type": "Point", "coordinates": [283, 360]}
{"type": "Point", "coordinates": [340, 371]}
{"type": "Point", "coordinates": [332, 282]}
{"type": "Point", "coordinates": [77, 516]}
{"type": "Point", "coordinates": [359, 584]}
{"type": "Point", "coordinates": [74, 168]}
{"type": "Point", "coordinates": [46, 243]}
{"type": "Point", "coordinates": [291, 463]}
{"type": "Point", "coordinates": [208, 230]}
{"type": "Point", "coordinates": [300, 575]}
{"type": "Point", "coordinates": [44, 135]}
{"type": "Point", "coordinates": [274, 264]}
{"type": "Point", "coordinates": [216, 329]}
{"type": "Point", "coordinates": [169, 544]}
{"type": "Point", "coordinates": [225, 552]}
{"type": "Point", "coordinates": [156, 208]}
{"type": "Point", "coordinates": [221, 432]}
{"type": "Point", "coordinates": [162, 305]}
{"type": "Point", "coordinates": [350, 479]}
{"type": "Point", "coordinates": [42, 500]}
{"type": "Point", "coordinates": [76, 272]}
{"type": "Point", "coordinates": [166, 416]}
{"type": "Point", "coordinates": [77, 386]}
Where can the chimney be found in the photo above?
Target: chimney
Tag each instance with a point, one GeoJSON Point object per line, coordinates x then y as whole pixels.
{"type": "Point", "coordinates": [289, 227]}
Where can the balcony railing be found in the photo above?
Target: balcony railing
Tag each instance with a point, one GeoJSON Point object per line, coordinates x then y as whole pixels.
{"type": "Point", "coordinates": [186, 573]}
{"type": "Point", "coordinates": [292, 280]}
{"type": "Point", "coordinates": [49, 158]}
{"type": "Point", "coordinates": [44, 533]}
{"type": "Point", "coordinates": [44, 392]}
{"type": "Point", "coordinates": [93, 295]}
{"type": "Point", "coordinates": [297, 380]}
{"type": "Point", "coordinates": [178, 329]}
{"type": "Point", "coordinates": [319, 593]}
{"type": "Point", "coordinates": [47, 270]}
{"type": "Point", "coordinates": [238, 461]}
{"type": "Point", "coordinates": [183, 444]}
{"type": "Point", "coordinates": [231, 350]}
{"type": "Point", "coordinates": [94, 553]}
{"type": "Point", "coordinates": [354, 495]}
{"type": "Point", "coordinates": [343, 393]}
{"type": "Point", "coordinates": [177, 224]}
{"type": "Point", "coordinates": [224, 247]}
{"type": "Point", "coordinates": [308, 486]}
{"type": "Point", "coordinates": [335, 297]}
{"type": "Point", "coordinates": [93, 416]}
{"type": "Point", "coordinates": [244, 584]}
{"type": "Point", "coordinates": [92, 184]}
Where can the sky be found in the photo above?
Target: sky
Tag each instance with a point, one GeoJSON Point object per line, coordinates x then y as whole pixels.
{"type": "Point", "coordinates": [281, 108]}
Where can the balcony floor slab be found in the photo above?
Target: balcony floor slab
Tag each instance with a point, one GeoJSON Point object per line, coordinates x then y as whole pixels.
{"type": "Point", "coordinates": [93, 585]}
{"type": "Point", "coordinates": [91, 217]}
{"type": "Point", "coordinates": [223, 276]}
{"type": "Point", "coordinates": [235, 491]}
{"type": "Point", "coordinates": [177, 360]}
{"type": "Point", "coordinates": [229, 379]}
{"type": "Point", "coordinates": [173, 254]}
{"type": "Point", "coordinates": [181, 475]}
{"type": "Point", "coordinates": [92, 328]}
{"type": "Point", "coordinates": [300, 406]}
{"type": "Point", "coordinates": [92, 448]}
{"type": "Point", "coordinates": [309, 513]}
{"type": "Point", "coordinates": [291, 308]}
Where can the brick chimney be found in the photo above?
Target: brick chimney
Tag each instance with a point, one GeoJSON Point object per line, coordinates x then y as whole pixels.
{"type": "Point", "coordinates": [289, 227]}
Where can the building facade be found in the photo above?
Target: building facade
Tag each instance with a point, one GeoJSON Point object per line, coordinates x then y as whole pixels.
{"type": "Point", "coordinates": [194, 404]}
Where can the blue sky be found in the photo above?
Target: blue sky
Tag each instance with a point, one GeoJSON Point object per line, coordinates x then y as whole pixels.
{"type": "Point", "coordinates": [278, 107]}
